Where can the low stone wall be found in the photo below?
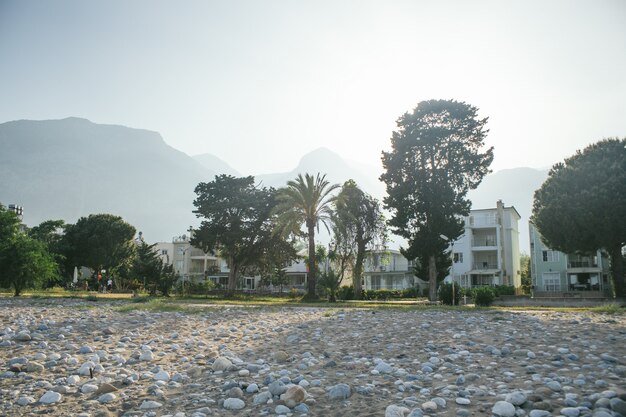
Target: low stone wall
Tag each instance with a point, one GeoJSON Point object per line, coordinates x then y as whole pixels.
{"type": "Point", "coordinates": [527, 301]}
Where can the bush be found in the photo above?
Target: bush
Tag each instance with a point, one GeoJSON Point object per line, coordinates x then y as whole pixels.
{"type": "Point", "coordinates": [294, 293]}
{"type": "Point", "coordinates": [346, 293]}
{"type": "Point", "coordinates": [410, 292]}
{"type": "Point", "coordinates": [425, 291]}
{"type": "Point", "coordinates": [444, 294]}
{"type": "Point", "coordinates": [504, 290]}
{"type": "Point", "coordinates": [91, 298]}
{"type": "Point", "coordinates": [484, 296]}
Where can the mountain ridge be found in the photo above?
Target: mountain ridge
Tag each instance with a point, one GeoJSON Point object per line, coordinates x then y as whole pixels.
{"type": "Point", "coordinates": [72, 167]}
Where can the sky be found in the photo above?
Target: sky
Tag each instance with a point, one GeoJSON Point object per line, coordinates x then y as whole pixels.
{"type": "Point", "coordinates": [261, 83]}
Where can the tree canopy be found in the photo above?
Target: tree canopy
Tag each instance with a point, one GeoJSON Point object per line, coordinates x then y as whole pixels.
{"type": "Point", "coordinates": [359, 223]}
{"type": "Point", "coordinates": [237, 221]}
{"type": "Point", "coordinates": [306, 200]}
{"type": "Point", "coordinates": [24, 262]}
{"type": "Point", "coordinates": [99, 241]}
{"type": "Point", "coordinates": [436, 158]}
{"type": "Point", "coordinates": [581, 206]}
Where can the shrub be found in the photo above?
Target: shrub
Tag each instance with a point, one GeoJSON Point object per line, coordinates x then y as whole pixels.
{"type": "Point", "coordinates": [294, 293]}
{"type": "Point", "coordinates": [412, 292]}
{"type": "Point", "coordinates": [483, 296]}
{"type": "Point", "coordinates": [91, 298]}
{"type": "Point", "coordinates": [346, 293]}
{"type": "Point", "coordinates": [425, 291]}
{"type": "Point", "coordinates": [444, 294]}
{"type": "Point", "coordinates": [504, 290]}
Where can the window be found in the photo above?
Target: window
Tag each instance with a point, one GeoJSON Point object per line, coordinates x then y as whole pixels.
{"type": "Point", "coordinates": [458, 258]}
{"type": "Point", "coordinates": [552, 281]}
{"type": "Point", "coordinates": [375, 282]}
{"type": "Point", "coordinates": [550, 256]}
{"type": "Point", "coordinates": [179, 265]}
{"type": "Point", "coordinates": [163, 251]}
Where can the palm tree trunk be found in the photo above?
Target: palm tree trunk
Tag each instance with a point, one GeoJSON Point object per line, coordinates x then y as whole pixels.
{"type": "Point", "coordinates": [312, 278]}
{"type": "Point", "coordinates": [432, 278]}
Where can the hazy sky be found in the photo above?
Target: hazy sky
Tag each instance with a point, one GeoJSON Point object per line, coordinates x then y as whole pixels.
{"type": "Point", "coordinates": [260, 83]}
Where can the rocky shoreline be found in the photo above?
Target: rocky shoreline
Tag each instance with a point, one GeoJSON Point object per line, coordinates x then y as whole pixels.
{"type": "Point", "coordinates": [72, 357]}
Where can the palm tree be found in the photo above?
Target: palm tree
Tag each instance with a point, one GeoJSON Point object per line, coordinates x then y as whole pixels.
{"type": "Point", "coordinates": [306, 200]}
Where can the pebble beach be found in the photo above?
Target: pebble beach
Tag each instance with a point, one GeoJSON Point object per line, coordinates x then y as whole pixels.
{"type": "Point", "coordinates": [71, 357]}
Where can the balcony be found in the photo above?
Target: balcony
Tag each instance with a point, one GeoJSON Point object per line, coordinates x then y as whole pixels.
{"type": "Point", "coordinates": [484, 266]}
{"type": "Point", "coordinates": [582, 264]}
{"type": "Point", "coordinates": [484, 241]}
{"type": "Point", "coordinates": [482, 221]}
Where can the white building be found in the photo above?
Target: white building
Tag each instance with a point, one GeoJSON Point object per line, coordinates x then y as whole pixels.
{"type": "Point", "coordinates": [194, 265]}
{"type": "Point", "coordinates": [388, 269]}
{"type": "Point", "coordinates": [487, 254]}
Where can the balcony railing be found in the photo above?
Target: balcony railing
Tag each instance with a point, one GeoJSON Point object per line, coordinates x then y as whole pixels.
{"type": "Point", "coordinates": [484, 241]}
{"type": "Point", "coordinates": [485, 265]}
{"type": "Point", "coordinates": [582, 264]}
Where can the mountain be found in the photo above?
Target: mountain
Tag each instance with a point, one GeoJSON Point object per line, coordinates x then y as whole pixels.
{"type": "Point", "coordinates": [65, 169]}
{"type": "Point", "coordinates": [337, 170]}
{"type": "Point", "coordinates": [215, 164]}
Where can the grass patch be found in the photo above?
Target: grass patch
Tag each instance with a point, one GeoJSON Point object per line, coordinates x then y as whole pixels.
{"type": "Point", "coordinates": [612, 308]}
{"type": "Point", "coordinates": [91, 298]}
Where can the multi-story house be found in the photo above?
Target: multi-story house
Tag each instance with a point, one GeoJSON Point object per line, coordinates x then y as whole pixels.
{"type": "Point", "coordinates": [555, 272]}
{"type": "Point", "coordinates": [192, 264]}
{"type": "Point", "coordinates": [388, 269]}
{"type": "Point", "coordinates": [487, 254]}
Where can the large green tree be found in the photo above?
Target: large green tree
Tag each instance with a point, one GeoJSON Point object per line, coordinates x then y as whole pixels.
{"type": "Point", "coordinates": [581, 207]}
{"type": "Point", "coordinates": [99, 241]}
{"type": "Point", "coordinates": [437, 156]}
{"type": "Point", "coordinates": [25, 263]}
{"type": "Point", "coordinates": [359, 224]}
{"type": "Point", "coordinates": [50, 233]}
{"type": "Point", "coordinates": [306, 200]}
{"type": "Point", "coordinates": [238, 222]}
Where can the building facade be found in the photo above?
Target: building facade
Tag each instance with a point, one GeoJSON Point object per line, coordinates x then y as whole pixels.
{"type": "Point", "coordinates": [557, 272]}
{"type": "Point", "coordinates": [487, 254]}
{"type": "Point", "coordinates": [388, 269]}
{"type": "Point", "coordinates": [192, 264]}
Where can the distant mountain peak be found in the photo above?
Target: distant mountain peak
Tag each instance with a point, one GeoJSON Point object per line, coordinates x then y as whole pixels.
{"type": "Point", "coordinates": [216, 164]}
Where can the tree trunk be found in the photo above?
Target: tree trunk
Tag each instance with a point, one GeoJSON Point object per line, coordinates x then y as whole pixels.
{"type": "Point", "coordinates": [358, 272]}
{"type": "Point", "coordinates": [432, 278]}
{"type": "Point", "coordinates": [312, 278]}
{"type": "Point", "coordinates": [617, 270]}
{"type": "Point", "coordinates": [232, 278]}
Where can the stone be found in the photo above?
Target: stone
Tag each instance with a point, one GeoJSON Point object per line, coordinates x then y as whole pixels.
{"type": "Point", "coordinates": [150, 405]}
{"type": "Point", "coordinates": [339, 392]}
{"type": "Point", "coordinates": [162, 376]}
{"type": "Point", "coordinates": [277, 388]}
{"type": "Point", "coordinates": [23, 401]}
{"type": "Point", "coordinates": [281, 356]}
{"type": "Point", "coordinates": [281, 409]}
{"type": "Point", "coordinates": [234, 404]}
{"type": "Point", "coordinates": [396, 411]}
{"type": "Point", "coordinates": [429, 406]}
{"type": "Point", "coordinates": [107, 398]}
{"type": "Point", "coordinates": [221, 364]}
{"type": "Point", "coordinates": [503, 409]}
{"type": "Point", "coordinates": [105, 388]}
{"type": "Point", "coordinates": [34, 367]}
{"type": "Point", "coordinates": [462, 401]}
{"type": "Point", "coordinates": [293, 396]}
{"type": "Point", "coordinates": [570, 412]}
{"type": "Point", "coordinates": [539, 413]}
{"type": "Point", "coordinates": [262, 398]}
{"type": "Point", "coordinates": [516, 398]}
{"type": "Point", "coordinates": [146, 356]}
{"type": "Point", "coordinates": [618, 405]}
{"type": "Point", "coordinates": [88, 388]}
{"type": "Point", "coordinates": [50, 397]}
{"type": "Point", "coordinates": [302, 408]}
